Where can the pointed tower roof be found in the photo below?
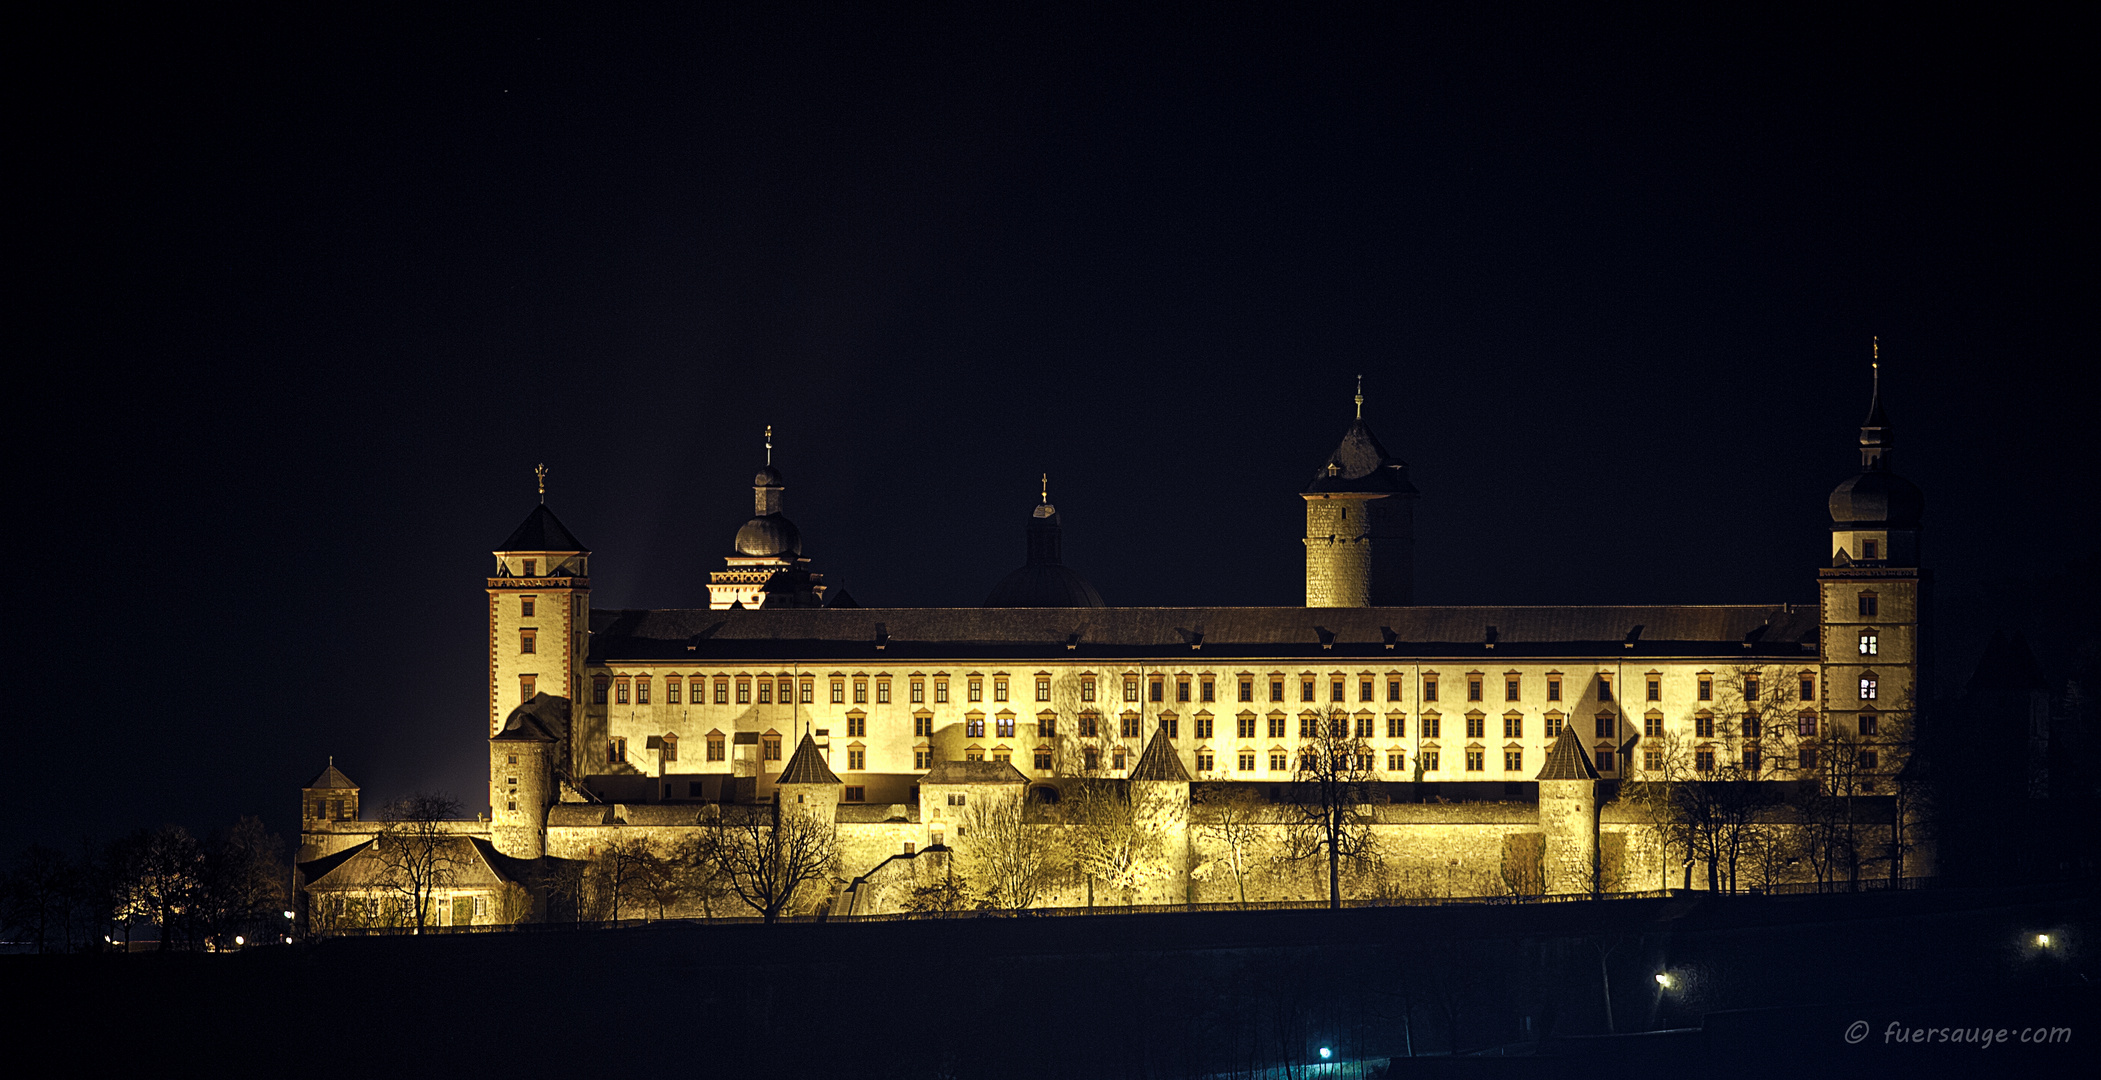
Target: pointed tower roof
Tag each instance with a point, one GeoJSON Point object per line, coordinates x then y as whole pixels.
{"type": "Point", "coordinates": [542, 531]}
{"type": "Point", "coordinates": [806, 765]}
{"type": "Point", "coordinates": [1361, 463]}
{"type": "Point", "coordinates": [331, 777]}
{"type": "Point", "coordinates": [1566, 759]}
{"type": "Point", "coordinates": [1160, 762]}
{"type": "Point", "coordinates": [1876, 496]}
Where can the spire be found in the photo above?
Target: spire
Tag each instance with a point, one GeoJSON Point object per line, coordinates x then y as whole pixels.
{"type": "Point", "coordinates": [1046, 489]}
{"type": "Point", "coordinates": [769, 444]}
{"type": "Point", "coordinates": [1360, 397]}
{"type": "Point", "coordinates": [540, 471]}
{"type": "Point", "coordinates": [1875, 441]}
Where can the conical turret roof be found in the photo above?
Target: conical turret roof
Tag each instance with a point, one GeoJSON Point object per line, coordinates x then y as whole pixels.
{"type": "Point", "coordinates": [807, 765]}
{"type": "Point", "coordinates": [1160, 762]}
{"type": "Point", "coordinates": [1566, 759]}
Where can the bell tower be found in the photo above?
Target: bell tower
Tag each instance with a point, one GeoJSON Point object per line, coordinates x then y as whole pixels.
{"type": "Point", "coordinates": [539, 612]}
{"type": "Point", "coordinates": [1360, 524]}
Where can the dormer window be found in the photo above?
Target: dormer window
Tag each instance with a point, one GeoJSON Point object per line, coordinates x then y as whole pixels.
{"type": "Point", "coordinates": [1870, 549]}
{"type": "Point", "coordinates": [532, 567]}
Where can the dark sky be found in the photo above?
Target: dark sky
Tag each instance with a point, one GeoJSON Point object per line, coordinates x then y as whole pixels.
{"type": "Point", "coordinates": [306, 294]}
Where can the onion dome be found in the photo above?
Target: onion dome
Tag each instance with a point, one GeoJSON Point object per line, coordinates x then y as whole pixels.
{"type": "Point", "coordinates": [769, 535]}
{"type": "Point", "coordinates": [1044, 580]}
{"type": "Point", "coordinates": [1876, 497]}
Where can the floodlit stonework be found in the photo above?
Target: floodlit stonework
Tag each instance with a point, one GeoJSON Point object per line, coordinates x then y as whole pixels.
{"type": "Point", "coordinates": [1490, 750]}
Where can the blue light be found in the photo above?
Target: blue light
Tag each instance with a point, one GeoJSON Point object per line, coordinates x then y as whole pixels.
{"type": "Point", "coordinates": [1325, 1052]}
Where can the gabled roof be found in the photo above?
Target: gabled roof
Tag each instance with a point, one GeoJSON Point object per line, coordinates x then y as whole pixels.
{"type": "Point", "coordinates": [973, 772]}
{"type": "Point", "coordinates": [331, 777]}
{"type": "Point", "coordinates": [473, 866]}
{"type": "Point", "coordinates": [1566, 759]}
{"type": "Point", "coordinates": [542, 531]}
{"type": "Point", "coordinates": [807, 765]}
{"type": "Point", "coordinates": [1160, 762]}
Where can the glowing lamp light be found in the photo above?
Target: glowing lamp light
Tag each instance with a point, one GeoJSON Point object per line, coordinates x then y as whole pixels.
{"type": "Point", "coordinates": [288, 914]}
{"type": "Point", "coordinates": [1325, 1053]}
{"type": "Point", "coordinates": [239, 940]}
{"type": "Point", "coordinates": [1663, 979]}
{"type": "Point", "coordinates": [2043, 940]}
{"type": "Point", "coordinates": [288, 940]}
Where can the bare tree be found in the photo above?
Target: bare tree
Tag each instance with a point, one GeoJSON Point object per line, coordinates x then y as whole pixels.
{"type": "Point", "coordinates": [1011, 860]}
{"type": "Point", "coordinates": [46, 894]}
{"type": "Point", "coordinates": [699, 876]}
{"type": "Point", "coordinates": [1110, 841]}
{"type": "Point", "coordinates": [244, 881]}
{"type": "Point", "coordinates": [157, 875]}
{"type": "Point", "coordinates": [1235, 818]}
{"type": "Point", "coordinates": [418, 856]}
{"type": "Point", "coordinates": [1328, 817]}
{"type": "Point", "coordinates": [620, 872]}
{"type": "Point", "coordinates": [767, 854]}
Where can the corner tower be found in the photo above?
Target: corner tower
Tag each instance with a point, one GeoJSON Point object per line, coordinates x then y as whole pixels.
{"type": "Point", "coordinates": [1360, 524]}
{"type": "Point", "coordinates": [1872, 600]}
{"type": "Point", "coordinates": [539, 610]}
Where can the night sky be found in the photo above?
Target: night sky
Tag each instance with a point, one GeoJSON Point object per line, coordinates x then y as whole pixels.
{"type": "Point", "coordinates": [305, 295]}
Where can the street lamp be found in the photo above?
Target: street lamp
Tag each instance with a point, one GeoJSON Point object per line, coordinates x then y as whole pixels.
{"type": "Point", "coordinates": [1326, 1053]}
{"type": "Point", "coordinates": [2043, 940]}
{"type": "Point", "coordinates": [1663, 979]}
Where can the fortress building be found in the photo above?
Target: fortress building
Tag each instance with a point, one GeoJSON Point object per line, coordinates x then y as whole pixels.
{"type": "Point", "coordinates": [1494, 747]}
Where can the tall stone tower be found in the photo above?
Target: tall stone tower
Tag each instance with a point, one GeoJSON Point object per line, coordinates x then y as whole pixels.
{"type": "Point", "coordinates": [1568, 814]}
{"type": "Point", "coordinates": [1872, 599]}
{"type": "Point", "coordinates": [1159, 789]}
{"type": "Point", "coordinates": [1360, 524]}
{"type": "Point", "coordinates": [539, 612]}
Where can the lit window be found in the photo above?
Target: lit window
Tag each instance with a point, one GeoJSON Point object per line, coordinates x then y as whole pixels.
{"type": "Point", "coordinates": [807, 689]}
{"type": "Point", "coordinates": [620, 692]}
{"type": "Point", "coordinates": [940, 691]}
{"type": "Point", "coordinates": [716, 748]}
{"type": "Point", "coordinates": [838, 692]}
{"type": "Point", "coordinates": [1130, 689]}
{"type": "Point", "coordinates": [1087, 688]}
{"type": "Point", "coordinates": [526, 685]}
{"type": "Point", "coordinates": [765, 691]}
{"type": "Point", "coordinates": [1867, 688]}
{"type": "Point", "coordinates": [671, 687]}
{"type": "Point", "coordinates": [918, 692]}
{"type": "Point", "coordinates": [1805, 725]}
{"type": "Point", "coordinates": [1870, 644]}
{"type": "Point", "coordinates": [860, 691]}
{"type": "Point", "coordinates": [999, 689]}
{"type": "Point", "coordinates": [882, 691]}
{"type": "Point", "coordinates": [974, 727]}
{"type": "Point", "coordinates": [1042, 689]}
{"type": "Point", "coordinates": [1006, 726]}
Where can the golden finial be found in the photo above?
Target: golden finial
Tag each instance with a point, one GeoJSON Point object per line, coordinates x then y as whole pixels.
{"type": "Point", "coordinates": [1360, 397]}
{"type": "Point", "coordinates": [769, 444]}
{"type": "Point", "coordinates": [540, 471]}
{"type": "Point", "coordinates": [1046, 489]}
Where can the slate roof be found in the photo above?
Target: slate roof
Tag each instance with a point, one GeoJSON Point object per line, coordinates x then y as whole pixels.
{"type": "Point", "coordinates": [806, 765]}
{"type": "Point", "coordinates": [1320, 635]}
{"type": "Point", "coordinates": [1566, 759]}
{"type": "Point", "coordinates": [1361, 464]}
{"type": "Point", "coordinates": [331, 777]}
{"type": "Point", "coordinates": [1160, 762]}
{"type": "Point", "coordinates": [973, 772]}
{"type": "Point", "coordinates": [472, 866]}
{"type": "Point", "coordinates": [542, 531]}
{"type": "Point", "coordinates": [543, 719]}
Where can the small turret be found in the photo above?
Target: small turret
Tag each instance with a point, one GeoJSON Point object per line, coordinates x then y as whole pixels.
{"type": "Point", "coordinates": [1568, 814]}
{"type": "Point", "coordinates": [1360, 524]}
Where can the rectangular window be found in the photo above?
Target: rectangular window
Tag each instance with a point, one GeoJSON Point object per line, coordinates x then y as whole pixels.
{"type": "Point", "coordinates": [923, 727]}
{"type": "Point", "coordinates": [1244, 726]}
{"type": "Point", "coordinates": [1091, 758]}
{"type": "Point", "coordinates": [1364, 690]}
{"type": "Point", "coordinates": [772, 747]}
{"type": "Point", "coordinates": [1159, 690]}
{"type": "Point", "coordinates": [1604, 688]}
{"type": "Point", "coordinates": [1335, 691]}
{"type": "Point", "coordinates": [620, 692]}
{"type": "Point", "coordinates": [882, 691]}
{"type": "Point", "coordinates": [1305, 689]}
{"type": "Point", "coordinates": [1703, 726]}
{"type": "Point", "coordinates": [671, 691]}
{"type": "Point", "coordinates": [1476, 725]}
{"type": "Point", "coordinates": [766, 692]}
{"type": "Point", "coordinates": [1870, 549]}
{"type": "Point", "coordinates": [1395, 761]}
{"type": "Point", "coordinates": [1430, 688]}
{"type": "Point", "coordinates": [525, 641]}
{"type": "Point", "coordinates": [1553, 725]}
{"type": "Point", "coordinates": [1513, 727]}
{"type": "Point", "coordinates": [1204, 761]}
{"type": "Point", "coordinates": [1129, 727]}
{"type": "Point", "coordinates": [922, 758]}
{"type": "Point", "coordinates": [1869, 724]}
{"type": "Point", "coordinates": [1867, 688]}
{"type": "Point", "coordinates": [1393, 689]}
{"type": "Point", "coordinates": [1276, 727]}
{"type": "Point", "coordinates": [1870, 644]}
{"type": "Point", "coordinates": [1750, 688]}
{"type": "Point", "coordinates": [1751, 761]}
{"type": "Point", "coordinates": [1805, 725]}
{"type": "Point", "coordinates": [1427, 760]}
{"type": "Point", "coordinates": [1473, 689]}
{"type": "Point", "coordinates": [940, 691]}
{"type": "Point", "coordinates": [855, 792]}
{"type": "Point", "coordinates": [1513, 759]}
{"type": "Point", "coordinates": [999, 689]}
{"type": "Point", "coordinates": [1120, 756]}
{"type": "Point", "coordinates": [526, 686]}
{"type": "Point", "coordinates": [1510, 690]}
{"type": "Point", "coordinates": [722, 692]}
{"type": "Point", "coordinates": [525, 606]}
{"type": "Point", "coordinates": [1047, 725]}
{"type": "Point", "coordinates": [598, 691]}
{"type": "Point", "coordinates": [1209, 690]}
{"type": "Point", "coordinates": [1432, 724]}
{"type": "Point", "coordinates": [974, 727]}
{"type": "Point", "coordinates": [918, 692]}
{"type": "Point", "coordinates": [1005, 727]}
{"type": "Point", "coordinates": [856, 760]}
{"type": "Point", "coordinates": [1364, 724]}
{"type": "Point", "coordinates": [1703, 759]}
{"type": "Point", "coordinates": [1396, 726]}
{"type": "Point", "coordinates": [1087, 688]}
{"type": "Point", "coordinates": [1247, 761]}
{"type": "Point", "coordinates": [1604, 760]}
{"type": "Point", "coordinates": [860, 691]}
{"type": "Point", "coordinates": [856, 727]}
{"type": "Point", "coordinates": [1554, 688]}
{"type": "Point", "coordinates": [1706, 689]}
{"type": "Point", "coordinates": [1278, 761]}
{"type": "Point", "coordinates": [1042, 689]}
{"type": "Point", "coordinates": [1181, 689]}
{"type": "Point", "coordinates": [1276, 690]}
{"type": "Point", "coordinates": [1130, 689]}
{"type": "Point", "coordinates": [670, 752]}
{"type": "Point", "coordinates": [1203, 727]}
{"type": "Point", "coordinates": [615, 751]}
{"type": "Point", "coordinates": [1090, 725]}
{"type": "Point", "coordinates": [1869, 604]}
{"type": "Point", "coordinates": [532, 568]}
{"type": "Point", "coordinates": [1751, 726]}
{"type": "Point", "coordinates": [1608, 725]}
{"type": "Point", "coordinates": [1247, 689]}
{"type": "Point", "coordinates": [716, 749]}
{"type": "Point", "coordinates": [807, 690]}
{"type": "Point", "coordinates": [1309, 726]}
{"type": "Point", "coordinates": [642, 691]}
{"type": "Point", "coordinates": [1474, 761]}
{"type": "Point", "coordinates": [1043, 758]}
{"type": "Point", "coordinates": [1869, 760]}
{"type": "Point", "coordinates": [838, 692]}
{"type": "Point", "coordinates": [1652, 759]}
{"type": "Point", "coordinates": [1808, 688]}
{"type": "Point", "coordinates": [1172, 725]}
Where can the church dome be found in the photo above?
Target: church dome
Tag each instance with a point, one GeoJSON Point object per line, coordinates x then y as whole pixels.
{"type": "Point", "coordinates": [1037, 585]}
{"type": "Point", "coordinates": [1878, 497]}
{"type": "Point", "coordinates": [768, 477]}
{"type": "Point", "coordinates": [769, 535]}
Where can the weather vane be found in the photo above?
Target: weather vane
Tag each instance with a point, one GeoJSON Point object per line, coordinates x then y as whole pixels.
{"type": "Point", "coordinates": [1046, 489]}
{"type": "Point", "coordinates": [1360, 397]}
{"type": "Point", "coordinates": [769, 444]}
{"type": "Point", "coordinates": [540, 471]}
